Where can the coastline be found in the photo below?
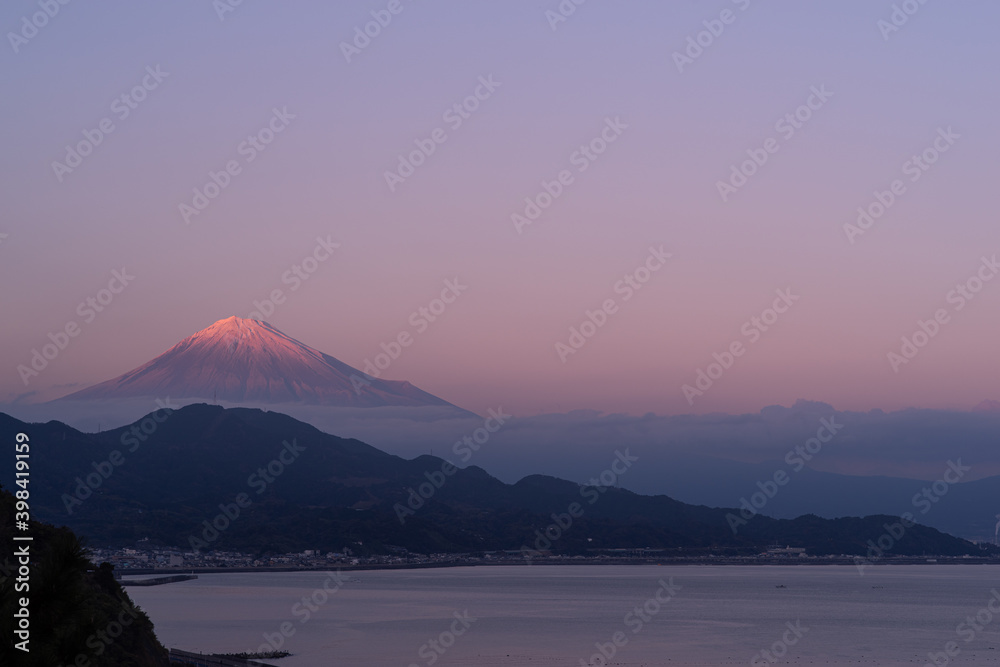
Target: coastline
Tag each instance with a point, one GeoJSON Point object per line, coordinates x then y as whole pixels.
{"type": "Point", "coordinates": [815, 562]}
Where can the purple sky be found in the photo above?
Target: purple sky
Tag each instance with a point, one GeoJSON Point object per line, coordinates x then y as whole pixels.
{"type": "Point", "coordinates": [878, 98]}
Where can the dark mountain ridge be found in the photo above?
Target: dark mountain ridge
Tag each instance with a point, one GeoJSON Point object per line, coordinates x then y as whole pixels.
{"type": "Point", "coordinates": [296, 487]}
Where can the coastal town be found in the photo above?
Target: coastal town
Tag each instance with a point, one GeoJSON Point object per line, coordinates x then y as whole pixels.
{"type": "Point", "coordinates": [138, 560]}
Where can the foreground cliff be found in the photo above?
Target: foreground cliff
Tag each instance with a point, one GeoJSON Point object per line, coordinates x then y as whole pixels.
{"type": "Point", "coordinates": [78, 614]}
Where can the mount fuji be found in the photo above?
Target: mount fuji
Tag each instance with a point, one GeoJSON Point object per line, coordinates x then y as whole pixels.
{"type": "Point", "coordinates": [241, 361]}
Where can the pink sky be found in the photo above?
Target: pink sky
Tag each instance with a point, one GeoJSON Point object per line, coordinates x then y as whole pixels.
{"type": "Point", "coordinates": [654, 185]}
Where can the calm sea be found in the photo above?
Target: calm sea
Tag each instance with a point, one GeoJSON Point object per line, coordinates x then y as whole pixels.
{"type": "Point", "coordinates": [562, 615]}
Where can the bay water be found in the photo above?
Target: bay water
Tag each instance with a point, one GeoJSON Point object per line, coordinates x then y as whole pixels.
{"type": "Point", "coordinates": [634, 615]}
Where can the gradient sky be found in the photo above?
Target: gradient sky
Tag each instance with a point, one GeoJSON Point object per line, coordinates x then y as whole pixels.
{"type": "Point", "coordinates": [656, 185]}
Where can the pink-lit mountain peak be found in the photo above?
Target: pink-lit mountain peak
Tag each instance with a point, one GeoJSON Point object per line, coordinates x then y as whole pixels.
{"type": "Point", "coordinates": [248, 361]}
{"type": "Point", "coordinates": [249, 341]}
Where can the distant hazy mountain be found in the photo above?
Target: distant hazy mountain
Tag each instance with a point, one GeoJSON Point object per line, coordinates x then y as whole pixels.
{"type": "Point", "coordinates": [967, 509]}
{"type": "Point", "coordinates": [240, 360]}
{"type": "Point", "coordinates": [877, 463]}
{"type": "Point", "coordinates": [164, 476]}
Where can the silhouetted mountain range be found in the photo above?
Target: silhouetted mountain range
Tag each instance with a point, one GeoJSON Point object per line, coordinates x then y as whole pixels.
{"type": "Point", "coordinates": [165, 476]}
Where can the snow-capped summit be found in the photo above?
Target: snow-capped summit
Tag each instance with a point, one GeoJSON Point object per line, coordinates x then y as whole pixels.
{"type": "Point", "coordinates": [241, 360]}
